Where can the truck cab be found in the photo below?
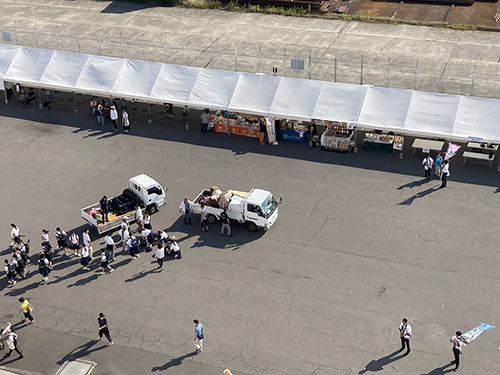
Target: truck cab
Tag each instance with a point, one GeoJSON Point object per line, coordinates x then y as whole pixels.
{"type": "Point", "coordinates": [260, 209]}
{"type": "Point", "coordinates": [151, 193]}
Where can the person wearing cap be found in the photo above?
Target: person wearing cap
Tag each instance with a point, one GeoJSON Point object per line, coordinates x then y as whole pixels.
{"type": "Point", "coordinates": [104, 208]}
{"type": "Point", "coordinates": [103, 328]}
{"type": "Point", "coordinates": [26, 309]}
{"type": "Point", "coordinates": [113, 115]}
{"type": "Point", "coordinates": [457, 348]}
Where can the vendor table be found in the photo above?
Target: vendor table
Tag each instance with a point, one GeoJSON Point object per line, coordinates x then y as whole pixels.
{"type": "Point", "coordinates": [247, 131]}
{"type": "Point", "coordinates": [370, 145]}
{"type": "Point", "coordinates": [426, 143]}
{"type": "Point", "coordinates": [484, 158]}
{"type": "Point", "coordinates": [486, 147]}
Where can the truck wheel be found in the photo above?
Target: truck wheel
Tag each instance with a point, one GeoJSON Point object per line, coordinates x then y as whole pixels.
{"type": "Point", "coordinates": [211, 219]}
{"type": "Point", "coordinates": [252, 227]}
{"type": "Point", "coordinates": [152, 209]}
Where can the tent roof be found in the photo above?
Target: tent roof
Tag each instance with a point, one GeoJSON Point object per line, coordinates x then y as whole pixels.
{"type": "Point", "coordinates": [405, 111]}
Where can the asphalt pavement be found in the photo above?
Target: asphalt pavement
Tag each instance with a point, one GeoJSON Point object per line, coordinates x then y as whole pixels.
{"type": "Point", "coordinates": [361, 242]}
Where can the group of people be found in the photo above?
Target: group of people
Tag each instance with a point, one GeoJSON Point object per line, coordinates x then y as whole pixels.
{"type": "Point", "coordinates": [104, 111]}
{"type": "Point", "coordinates": [441, 171]}
{"type": "Point", "coordinates": [73, 245]}
{"type": "Point", "coordinates": [26, 97]}
{"type": "Point", "coordinates": [405, 332]}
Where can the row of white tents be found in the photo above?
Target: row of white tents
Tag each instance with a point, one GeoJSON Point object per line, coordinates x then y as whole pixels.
{"type": "Point", "coordinates": [452, 117]}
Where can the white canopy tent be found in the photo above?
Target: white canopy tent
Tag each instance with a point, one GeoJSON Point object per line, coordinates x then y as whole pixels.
{"type": "Point", "coordinates": [419, 113]}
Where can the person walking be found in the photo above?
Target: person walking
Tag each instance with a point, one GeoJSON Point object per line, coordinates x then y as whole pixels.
{"type": "Point", "coordinates": [113, 115]}
{"type": "Point", "coordinates": [99, 112]}
{"type": "Point", "coordinates": [10, 271]}
{"type": "Point", "coordinates": [105, 264]}
{"type": "Point", "coordinates": [85, 261]}
{"type": "Point", "coordinates": [160, 254]}
{"type": "Point", "coordinates": [125, 236]}
{"type": "Point", "coordinates": [110, 247]}
{"type": "Point", "coordinates": [125, 121]}
{"type": "Point", "coordinates": [45, 239]}
{"type": "Point", "coordinates": [12, 343]}
{"type": "Point", "coordinates": [226, 224]}
{"type": "Point", "coordinates": [48, 102]}
{"type": "Point", "coordinates": [204, 120]}
{"type": "Point", "coordinates": [146, 220]}
{"type": "Point", "coordinates": [405, 334]}
{"type": "Point", "coordinates": [104, 204]}
{"type": "Point", "coordinates": [186, 207]}
{"type": "Point", "coordinates": [15, 232]}
{"type": "Point", "coordinates": [203, 218]}
{"type": "Point", "coordinates": [103, 328]}
{"type": "Point", "coordinates": [198, 336]}
{"type": "Point", "coordinates": [44, 267]}
{"type": "Point", "coordinates": [457, 349]}
{"type": "Point", "coordinates": [106, 109]}
{"type": "Point", "coordinates": [74, 243]}
{"type": "Point", "coordinates": [438, 165]}
{"type": "Point", "coordinates": [138, 218]}
{"type": "Point", "coordinates": [26, 309]}
{"type": "Point", "coordinates": [87, 242]}
{"type": "Point", "coordinates": [445, 173]}
{"type": "Point", "coordinates": [62, 240]}
{"type": "Point", "coordinates": [427, 163]}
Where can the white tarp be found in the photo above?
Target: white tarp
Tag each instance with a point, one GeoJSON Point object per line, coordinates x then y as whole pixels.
{"type": "Point", "coordinates": [452, 117]}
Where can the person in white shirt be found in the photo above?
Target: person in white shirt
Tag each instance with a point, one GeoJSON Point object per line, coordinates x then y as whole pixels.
{"type": "Point", "coordinates": [74, 243]}
{"type": "Point", "coordinates": [146, 220]}
{"type": "Point", "coordinates": [12, 343]}
{"type": "Point", "coordinates": [85, 258]}
{"type": "Point", "coordinates": [204, 120]}
{"type": "Point", "coordinates": [445, 172]}
{"type": "Point", "coordinates": [62, 241]}
{"type": "Point", "coordinates": [110, 246]}
{"type": "Point", "coordinates": [45, 239]}
{"type": "Point", "coordinates": [138, 218]}
{"type": "Point", "coordinates": [15, 232]}
{"type": "Point", "coordinates": [87, 242]}
{"type": "Point", "coordinates": [125, 235]}
{"type": "Point", "coordinates": [457, 348]}
{"type": "Point", "coordinates": [113, 114]}
{"type": "Point", "coordinates": [160, 254]}
{"type": "Point", "coordinates": [174, 248]}
{"type": "Point", "coordinates": [203, 218]}
{"type": "Point", "coordinates": [427, 163]}
{"type": "Point", "coordinates": [405, 334]}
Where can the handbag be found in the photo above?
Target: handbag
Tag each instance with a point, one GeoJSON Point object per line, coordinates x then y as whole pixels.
{"type": "Point", "coordinates": [30, 308]}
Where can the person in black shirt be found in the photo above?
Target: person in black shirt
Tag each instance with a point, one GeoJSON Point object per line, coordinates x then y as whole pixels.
{"type": "Point", "coordinates": [30, 98]}
{"type": "Point", "coordinates": [224, 218]}
{"type": "Point", "coordinates": [262, 131]}
{"type": "Point", "coordinates": [103, 328]}
{"type": "Point", "coordinates": [104, 208]}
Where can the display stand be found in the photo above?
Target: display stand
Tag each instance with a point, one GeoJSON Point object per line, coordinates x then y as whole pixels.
{"type": "Point", "coordinates": [383, 142]}
{"type": "Point", "coordinates": [291, 131]}
{"type": "Point", "coordinates": [427, 144]}
{"type": "Point", "coordinates": [338, 136]}
{"type": "Point", "coordinates": [247, 126]}
{"type": "Point", "coordinates": [480, 153]}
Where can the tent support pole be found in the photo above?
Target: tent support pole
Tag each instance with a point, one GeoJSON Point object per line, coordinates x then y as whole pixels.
{"type": "Point", "coordinates": [473, 81]}
{"type": "Point", "coordinates": [78, 39]}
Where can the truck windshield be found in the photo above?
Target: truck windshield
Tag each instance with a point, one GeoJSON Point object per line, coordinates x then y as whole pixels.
{"type": "Point", "coordinates": [269, 205]}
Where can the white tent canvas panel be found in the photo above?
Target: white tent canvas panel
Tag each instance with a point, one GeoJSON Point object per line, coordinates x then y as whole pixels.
{"type": "Point", "coordinates": [384, 108]}
{"type": "Point", "coordinates": [339, 102]}
{"type": "Point", "coordinates": [213, 89]}
{"type": "Point", "coordinates": [55, 76]}
{"type": "Point", "coordinates": [431, 114]}
{"type": "Point", "coordinates": [254, 94]}
{"type": "Point", "coordinates": [28, 66]}
{"type": "Point", "coordinates": [295, 99]}
{"type": "Point", "coordinates": [7, 55]}
{"type": "Point", "coordinates": [174, 84]}
{"type": "Point", "coordinates": [478, 117]}
{"type": "Point", "coordinates": [136, 79]}
{"type": "Point", "coordinates": [99, 75]}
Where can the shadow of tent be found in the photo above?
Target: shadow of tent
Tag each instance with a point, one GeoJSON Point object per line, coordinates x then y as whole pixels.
{"type": "Point", "coordinates": [119, 7]}
{"type": "Point", "coordinates": [173, 362]}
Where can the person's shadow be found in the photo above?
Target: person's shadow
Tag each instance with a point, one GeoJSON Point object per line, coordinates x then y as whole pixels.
{"type": "Point", "coordinates": [413, 184]}
{"type": "Point", "coordinates": [378, 364]}
{"type": "Point", "coordinates": [173, 362]}
{"type": "Point", "coordinates": [81, 351]}
{"type": "Point", "coordinates": [440, 370]}
{"type": "Point", "coordinates": [421, 194]}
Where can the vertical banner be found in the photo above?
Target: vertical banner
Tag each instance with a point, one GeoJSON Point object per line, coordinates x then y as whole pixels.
{"type": "Point", "coordinates": [271, 129]}
{"type": "Point", "coordinates": [452, 150]}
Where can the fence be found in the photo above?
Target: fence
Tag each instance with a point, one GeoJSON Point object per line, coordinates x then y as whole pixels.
{"type": "Point", "coordinates": [341, 65]}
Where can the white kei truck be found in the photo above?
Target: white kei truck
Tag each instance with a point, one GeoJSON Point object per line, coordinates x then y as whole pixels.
{"type": "Point", "coordinates": [142, 190]}
{"type": "Point", "coordinates": [256, 209]}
